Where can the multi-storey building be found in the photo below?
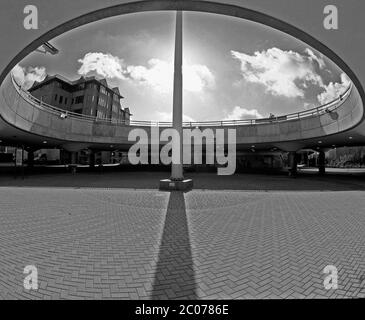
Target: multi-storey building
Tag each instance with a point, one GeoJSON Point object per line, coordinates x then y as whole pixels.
{"type": "Point", "coordinates": [87, 96]}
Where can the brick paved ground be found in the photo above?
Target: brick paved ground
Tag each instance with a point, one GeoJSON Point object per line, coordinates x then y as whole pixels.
{"type": "Point", "coordinates": [142, 244]}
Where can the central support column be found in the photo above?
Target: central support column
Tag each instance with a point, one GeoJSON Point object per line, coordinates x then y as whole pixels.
{"type": "Point", "coordinates": [176, 181]}
{"type": "Point", "coordinates": [177, 112]}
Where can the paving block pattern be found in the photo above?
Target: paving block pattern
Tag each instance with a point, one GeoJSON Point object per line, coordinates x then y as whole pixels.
{"type": "Point", "coordinates": [276, 244]}
{"type": "Point", "coordinates": [146, 244]}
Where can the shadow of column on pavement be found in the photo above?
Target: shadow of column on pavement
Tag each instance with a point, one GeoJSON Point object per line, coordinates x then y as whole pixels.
{"type": "Point", "coordinates": [174, 276]}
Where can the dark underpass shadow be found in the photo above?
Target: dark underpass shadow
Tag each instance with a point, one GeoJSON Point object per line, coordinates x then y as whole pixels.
{"type": "Point", "coordinates": [174, 276]}
{"type": "Point", "coordinates": [120, 177]}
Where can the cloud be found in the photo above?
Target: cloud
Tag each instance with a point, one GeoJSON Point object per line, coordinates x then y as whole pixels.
{"type": "Point", "coordinates": [307, 106]}
{"type": "Point", "coordinates": [104, 64]}
{"type": "Point", "coordinates": [157, 74]}
{"type": "Point", "coordinates": [197, 77]}
{"type": "Point", "coordinates": [313, 57]}
{"type": "Point", "coordinates": [239, 113]}
{"type": "Point", "coordinates": [283, 73]}
{"type": "Point", "coordinates": [167, 117]}
{"type": "Point", "coordinates": [333, 90]}
{"type": "Point", "coordinates": [26, 76]}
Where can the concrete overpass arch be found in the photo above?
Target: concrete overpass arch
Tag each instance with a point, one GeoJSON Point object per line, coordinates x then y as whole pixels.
{"type": "Point", "coordinates": [186, 5]}
{"type": "Point", "coordinates": [23, 120]}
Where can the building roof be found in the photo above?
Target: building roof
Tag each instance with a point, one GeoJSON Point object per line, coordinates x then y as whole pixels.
{"type": "Point", "coordinates": [82, 79]}
{"type": "Point", "coordinates": [116, 90]}
{"type": "Point", "coordinates": [126, 110]}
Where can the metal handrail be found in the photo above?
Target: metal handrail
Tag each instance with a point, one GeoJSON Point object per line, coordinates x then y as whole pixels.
{"type": "Point", "coordinates": [328, 107]}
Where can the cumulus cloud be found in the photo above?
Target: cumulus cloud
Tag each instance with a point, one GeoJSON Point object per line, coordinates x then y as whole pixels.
{"type": "Point", "coordinates": [283, 73]}
{"type": "Point", "coordinates": [307, 106]}
{"type": "Point", "coordinates": [313, 57]}
{"type": "Point", "coordinates": [334, 89]}
{"type": "Point", "coordinates": [104, 64]}
{"type": "Point", "coordinates": [26, 76]}
{"type": "Point", "coordinates": [239, 113]}
{"type": "Point", "coordinates": [157, 74]}
{"type": "Point", "coordinates": [197, 77]}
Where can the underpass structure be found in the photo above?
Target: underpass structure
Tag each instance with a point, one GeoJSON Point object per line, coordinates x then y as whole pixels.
{"type": "Point", "coordinates": [26, 121]}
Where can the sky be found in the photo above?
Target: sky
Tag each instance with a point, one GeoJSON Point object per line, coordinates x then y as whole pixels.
{"type": "Point", "coordinates": [233, 69]}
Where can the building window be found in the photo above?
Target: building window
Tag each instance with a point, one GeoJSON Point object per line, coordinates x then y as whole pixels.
{"type": "Point", "coordinates": [102, 90]}
{"type": "Point", "coordinates": [115, 108]}
{"type": "Point", "coordinates": [61, 99]}
{"type": "Point", "coordinates": [72, 101]}
{"type": "Point", "coordinates": [55, 97]}
{"type": "Point", "coordinates": [81, 86]}
{"type": "Point", "coordinates": [66, 100]}
{"type": "Point", "coordinates": [79, 99]}
{"type": "Point", "coordinates": [102, 102]}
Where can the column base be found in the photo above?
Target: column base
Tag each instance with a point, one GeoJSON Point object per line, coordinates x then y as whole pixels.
{"type": "Point", "coordinates": [176, 185]}
{"type": "Point", "coordinates": [73, 168]}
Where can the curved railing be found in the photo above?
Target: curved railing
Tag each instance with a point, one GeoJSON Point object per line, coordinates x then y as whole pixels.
{"type": "Point", "coordinates": [325, 108]}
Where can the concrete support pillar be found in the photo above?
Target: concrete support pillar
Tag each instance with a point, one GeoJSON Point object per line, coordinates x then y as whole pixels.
{"type": "Point", "coordinates": [30, 158]}
{"type": "Point", "coordinates": [293, 164]}
{"type": "Point", "coordinates": [177, 113]}
{"type": "Point", "coordinates": [73, 157]}
{"type": "Point", "coordinates": [73, 165]}
{"type": "Point", "coordinates": [92, 159]}
{"type": "Point", "coordinates": [321, 163]}
{"type": "Point", "coordinates": [305, 159]}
